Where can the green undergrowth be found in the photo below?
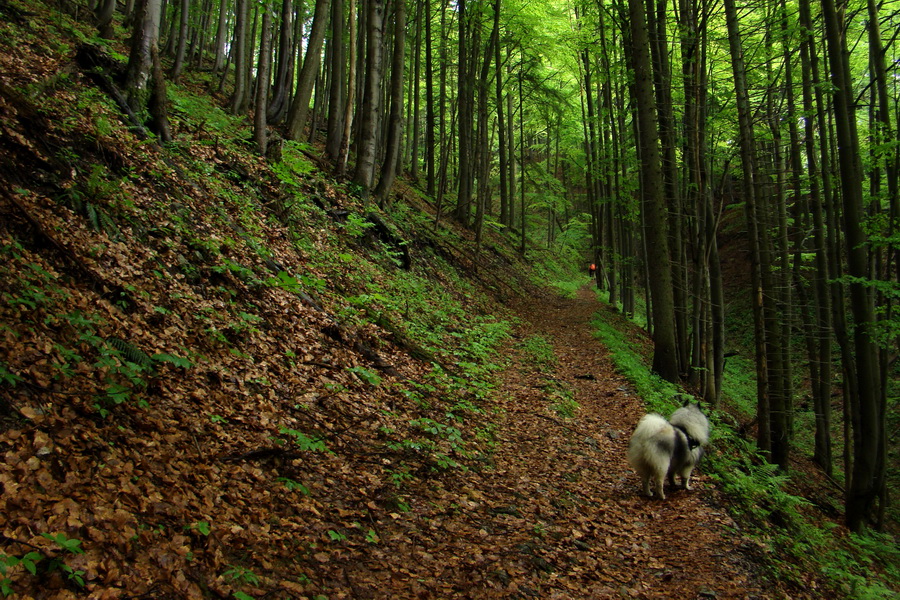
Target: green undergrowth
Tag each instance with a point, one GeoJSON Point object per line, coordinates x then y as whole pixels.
{"type": "Point", "coordinates": [561, 269]}
{"type": "Point", "coordinates": [794, 543]}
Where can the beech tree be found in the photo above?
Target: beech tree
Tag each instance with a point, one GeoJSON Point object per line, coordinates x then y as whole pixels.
{"type": "Point", "coordinates": [394, 125]}
{"type": "Point", "coordinates": [300, 105]}
{"type": "Point", "coordinates": [665, 356]}
{"type": "Point", "coordinates": [369, 118]}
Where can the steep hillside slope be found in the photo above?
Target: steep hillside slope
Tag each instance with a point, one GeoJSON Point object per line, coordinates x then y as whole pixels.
{"type": "Point", "coordinates": [192, 383]}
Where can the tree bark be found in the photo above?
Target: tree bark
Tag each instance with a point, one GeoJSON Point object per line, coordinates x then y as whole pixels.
{"type": "Point", "coordinates": [665, 355]}
{"type": "Point", "coordinates": [239, 99]}
{"type": "Point", "coordinates": [262, 88]}
{"type": "Point", "coordinates": [868, 424]}
{"type": "Point", "coordinates": [337, 81]}
{"type": "Point", "coordinates": [221, 36]}
{"type": "Point", "coordinates": [178, 64]}
{"type": "Point", "coordinates": [103, 14]}
{"type": "Point", "coordinates": [140, 61]}
{"type": "Point", "coordinates": [278, 99]}
{"type": "Point", "coordinates": [395, 119]}
{"type": "Point", "coordinates": [466, 116]}
{"type": "Point", "coordinates": [300, 106]}
{"type": "Point", "coordinates": [351, 93]}
{"type": "Point", "coordinates": [366, 146]}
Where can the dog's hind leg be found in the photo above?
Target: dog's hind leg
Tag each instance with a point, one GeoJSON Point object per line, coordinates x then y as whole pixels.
{"type": "Point", "coordinates": [659, 480]}
{"type": "Point", "coordinates": [686, 478]}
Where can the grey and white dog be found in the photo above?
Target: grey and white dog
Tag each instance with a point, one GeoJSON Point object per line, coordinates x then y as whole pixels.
{"type": "Point", "coordinates": [674, 447]}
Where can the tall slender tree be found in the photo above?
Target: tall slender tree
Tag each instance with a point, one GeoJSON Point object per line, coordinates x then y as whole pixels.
{"type": "Point", "coordinates": [665, 354]}
{"type": "Point", "coordinates": [866, 413]}
{"type": "Point", "coordinates": [395, 119]}
{"type": "Point", "coordinates": [299, 110]}
{"type": "Point", "coordinates": [365, 160]}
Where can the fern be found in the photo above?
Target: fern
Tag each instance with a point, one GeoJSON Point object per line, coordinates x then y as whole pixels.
{"type": "Point", "coordinates": [93, 219]}
{"type": "Point", "coordinates": [130, 352]}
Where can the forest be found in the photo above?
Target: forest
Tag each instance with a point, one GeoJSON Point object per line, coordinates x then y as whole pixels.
{"type": "Point", "coordinates": [651, 119]}
{"type": "Point", "coordinates": [281, 280]}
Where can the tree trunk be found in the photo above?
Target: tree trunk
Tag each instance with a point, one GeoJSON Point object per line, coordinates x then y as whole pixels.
{"type": "Point", "coordinates": [221, 36]}
{"type": "Point", "coordinates": [300, 105]}
{"type": "Point", "coordinates": [665, 355]}
{"type": "Point", "coordinates": [178, 64]}
{"type": "Point", "coordinates": [337, 82]}
{"type": "Point", "coordinates": [429, 106]}
{"type": "Point", "coordinates": [241, 70]}
{"type": "Point", "coordinates": [416, 93]}
{"type": "Point", "coordinates": [366, 148]}
{"type": "Point", "coordinates": [868, 424]}
{"type": "Point", "coordinates": [501, 128]}
{"type": "Point", "coordinates": [140, 61]}
{"type": "Point", "coordinates": [747, 152]}
{"type": "Point", "coordinates": [278, 99]}
{"type": "Point", "coordinates": [466, 117]}
{"type": "Point", "coordinates": [103, 15]}
{"type": "Point", "coordinates": [395, 120]}
{"type": "Point", "coordinates": [485, 157]}
{"type": "Point", "coordinates": [668, 162]}
{"type": "Point", "coordinates": [351, 93]}
{"type": "Point", "coordinates": [262, 88]}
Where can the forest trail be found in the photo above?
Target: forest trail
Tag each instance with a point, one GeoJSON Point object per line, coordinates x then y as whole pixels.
{"type": "Point", "coordinates": [561, 515]}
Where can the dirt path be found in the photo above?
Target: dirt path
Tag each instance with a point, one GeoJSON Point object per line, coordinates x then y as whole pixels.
{"type": "Point", "coordinates": [560, 515]}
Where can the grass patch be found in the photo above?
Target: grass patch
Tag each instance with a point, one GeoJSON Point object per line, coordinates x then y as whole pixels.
{"type": "Point", "coordinates": [539, 351]}
{"type": "Point", "coordinates": [658, 394]}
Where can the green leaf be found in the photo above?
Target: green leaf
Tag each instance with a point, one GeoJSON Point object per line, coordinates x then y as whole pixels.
{"type": "Point", "coordinates": [202, 527]}
{"type": "Point", "coordinates": [175, 360]}
{"type": "Point", "coordinates": [118, 393]}
{"type": "Point", "coordinates": [28, 561]}
{"type": "Point", "coordinates": [304, 442]}
{"type": "Point", "coordinates": [366, 375]}
{"type": "Point", "coordinates": [61, 540]}
{"type": "Point", "coordinates": [336, 536]}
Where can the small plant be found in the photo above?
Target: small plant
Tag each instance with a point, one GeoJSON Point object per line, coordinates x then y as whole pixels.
{"type": "Point", "coordinates": [8, 377]}
{"type": "Point", "coordinates": [305, 442]}
{"type": "Point", "coordinates": [366, 375]}
{"type": "Point", "coordinates": [294, 486]}
{"type": "Point", "coordinates": [399, 477]}
{"type": "Point", "coordinates": [69, 545]}
{"type": "Point", "coordinates": [336, 536]}
{"type": "Point", "coordinates": [201, 527]}
{"type": "Point", "coordinates": [356, 225]}
{"type": "Point", "coordinates": [30, 561]}
{"type": "Point", "coordinates": [240, 575]}
{"type": "Point", "coordinates": [562, 398]}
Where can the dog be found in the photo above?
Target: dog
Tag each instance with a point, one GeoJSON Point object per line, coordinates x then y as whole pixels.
{"type": "Point", "coordinates": [674, 447]}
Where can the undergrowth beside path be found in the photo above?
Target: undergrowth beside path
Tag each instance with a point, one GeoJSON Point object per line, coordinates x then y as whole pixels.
{"type": "Point", "coordinates": [791, 541]}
